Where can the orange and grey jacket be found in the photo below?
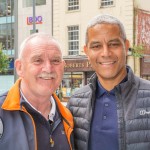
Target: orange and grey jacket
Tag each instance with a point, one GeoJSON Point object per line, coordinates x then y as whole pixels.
{"type": "Point", "coordinates": [17, 127]}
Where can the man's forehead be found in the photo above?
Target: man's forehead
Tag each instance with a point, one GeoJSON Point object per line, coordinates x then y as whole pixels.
{"type": "Point", "coordinates": [104, 29]}
{"type": "Point", "coordinates": [42, 44]}
{"type": "Point", "coordinates": [46, 51]}
{"type": "Point", "coordinates": [117, 39]}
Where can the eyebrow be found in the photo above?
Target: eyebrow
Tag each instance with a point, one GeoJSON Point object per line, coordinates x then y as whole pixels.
{"type": "Point", "coordinates": [114, 40]}
{"type": "Point", "coordinates": [36, 56]}
{"type": "Point", "coordinates": [94, 42]}
{"type": "Point", "coordinates": [111, 40]}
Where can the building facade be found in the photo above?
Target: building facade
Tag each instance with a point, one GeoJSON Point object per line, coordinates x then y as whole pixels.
{"type": "Point", "coordinates": [7, 30]}
{"type": "Point", "coordinates": [142, 35]}
{"type": "Point", "coordinates": [66, 20]}
{"type": "Point", "coordinates": [43, 18]}
{"type": "Point", "coordinates": [69, 25]}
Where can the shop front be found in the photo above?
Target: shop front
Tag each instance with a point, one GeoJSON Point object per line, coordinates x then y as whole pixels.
{"type": "Point", "coordinates": [77, 73]}
{"type": "Point", "coordinates": [145, 67]}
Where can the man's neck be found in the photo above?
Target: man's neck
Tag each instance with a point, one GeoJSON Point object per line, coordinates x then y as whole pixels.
{"type": "Point", "coordinates": [109, 84]}
{"type": "Point", "coordinates": [40, 104]}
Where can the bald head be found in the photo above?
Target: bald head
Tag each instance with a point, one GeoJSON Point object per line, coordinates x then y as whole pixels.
{"type": "Point", "coordinates": [36, 39]}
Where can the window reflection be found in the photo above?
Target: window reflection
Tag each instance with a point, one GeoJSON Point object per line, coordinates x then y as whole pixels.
{"type": "Point", "coordinates": [71, 82]}
{"type": "Point", "coordinates": [6, 8]}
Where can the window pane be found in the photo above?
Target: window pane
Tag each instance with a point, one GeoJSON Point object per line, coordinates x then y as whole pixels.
{"type": "Point", "coordinates": [29, 3]}
{"type": "Point", "coordinates": [6, 8]}
{"type": "Point", "coordinates": [73, 5]}
{"type": "Point", "coordinates": [106, 2]}
{"type": "Point", "coordinates": [7, 38]}
{"type": "Point", "coordinates": [73, 40]}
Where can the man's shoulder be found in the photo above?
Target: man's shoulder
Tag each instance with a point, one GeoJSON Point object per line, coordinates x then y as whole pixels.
{"type": "Point", "coordinates": [82, 91]}
{"type": "Point", "coordinates": [79, 101]}
{"type": "Point", "coordinates": [81, 97]}
{"type": "Point", "coordinates": [2, 97]}
{"type": "Point", "coordinates": [144, 84]}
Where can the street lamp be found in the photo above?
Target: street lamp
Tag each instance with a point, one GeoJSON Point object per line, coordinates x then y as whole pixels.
{"type": "Point", "coordinates": [34, 17]}
{"type": "Point", "coordinates": [16, 34]}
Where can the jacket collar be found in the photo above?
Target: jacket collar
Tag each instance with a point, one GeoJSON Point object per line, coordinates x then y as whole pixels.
{"type": "Point", "coordinates": [12, 102]}
{"type": "Point", "coordinates": [65, 113]}
{"type": "Point", "coordinates": [130, 80]}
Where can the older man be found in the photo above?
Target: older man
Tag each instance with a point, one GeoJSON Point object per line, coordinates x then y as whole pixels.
{"type": "Point", "coordinates": [31, 115]}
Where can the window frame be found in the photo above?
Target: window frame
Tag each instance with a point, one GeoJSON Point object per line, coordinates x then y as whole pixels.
{"type": "Point", "coordinates": [73, 40]}
{"type": "Point", "coordinates": [74, 6]}
{"type": "Point", "coordinates": [105, 3]}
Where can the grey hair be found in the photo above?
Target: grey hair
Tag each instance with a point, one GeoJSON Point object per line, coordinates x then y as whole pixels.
{"type": "Point", "coordinates": [105, 19]}
{"type": "Point", "coordinates": [35, 35]}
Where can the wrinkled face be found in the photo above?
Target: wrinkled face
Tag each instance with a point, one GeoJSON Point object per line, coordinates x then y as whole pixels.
{"type": "Point", "coordinates": [41, 68]}
{"type": "Point", "coordinates": [107, 51]}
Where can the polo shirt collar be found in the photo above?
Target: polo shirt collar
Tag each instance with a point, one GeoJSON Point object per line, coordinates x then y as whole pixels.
{"type": "Point", "coordinates": [100, 90]}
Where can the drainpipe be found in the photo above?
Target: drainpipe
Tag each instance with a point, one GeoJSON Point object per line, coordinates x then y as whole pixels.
{"type": "Point", "coordinates": [52, 16]}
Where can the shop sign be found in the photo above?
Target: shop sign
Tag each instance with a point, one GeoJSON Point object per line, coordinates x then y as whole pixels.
{"type": "Point", "coordinates": [77, 65]}
{"type": "Point", "coordinates": [38, 20]}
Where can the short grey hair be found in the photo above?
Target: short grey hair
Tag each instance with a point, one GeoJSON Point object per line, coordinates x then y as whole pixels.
{"type": "Point", "coordinates": [35, 35]}
{"type": "Point", "coordinates": [105, 19]}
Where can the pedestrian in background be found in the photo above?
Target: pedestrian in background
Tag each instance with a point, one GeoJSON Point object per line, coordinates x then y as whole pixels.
{"type": "Point", "coordinates": [112, 112]}
{"type": "Point", "coordinates": [31, 115]}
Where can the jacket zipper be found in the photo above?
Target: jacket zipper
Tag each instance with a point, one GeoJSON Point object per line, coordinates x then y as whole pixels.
{"type": "Point", "coordinates": [52, 142]}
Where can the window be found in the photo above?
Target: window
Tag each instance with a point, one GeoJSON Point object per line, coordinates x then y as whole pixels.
{"type": "Point", "coordinates": [73, 40]}
{"type": "Point", "coordinates": [105, 3]}
{"type": "Point", "coordinates": [29, 3]}
{"type": "Point", "coordinates": [7, 38]}
{"type": "Point", "coordinates": [71, 82]}
{"type": "Point", "coordinates": [73, 5]}
{"type": "Point", "coordinates": [6, 8]}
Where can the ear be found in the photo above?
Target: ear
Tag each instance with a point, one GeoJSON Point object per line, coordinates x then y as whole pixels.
{"type": "Point", "coordinates": [18, 66]}
{"type": "Point", "coordinates": [86, 51]}
{"type": "Point", "coordinates": [64, 63]}
{"type": "Point", "coordinates": [127, 45]}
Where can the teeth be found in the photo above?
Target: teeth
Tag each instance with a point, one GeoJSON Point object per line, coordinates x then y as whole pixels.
{"type": "Point", "coordinates": [47, 76]}
{"type": "Point", "coordinates": [107, 63]}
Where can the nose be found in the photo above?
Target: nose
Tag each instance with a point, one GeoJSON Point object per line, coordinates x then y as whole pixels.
{"type": "Point", "coordinates": [105, 52]}
{"type": "Point", "coordinates": [47, 66]}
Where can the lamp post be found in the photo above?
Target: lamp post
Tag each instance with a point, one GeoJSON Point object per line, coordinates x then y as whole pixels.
{"type": "Point", "coordinates": [34, 17]}
{"type": "Point", "coordinates": [16, 34]}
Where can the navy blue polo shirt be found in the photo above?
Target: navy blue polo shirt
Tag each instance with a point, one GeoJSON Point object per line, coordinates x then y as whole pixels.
{"type": "Point", "coordinates": [104, 127]}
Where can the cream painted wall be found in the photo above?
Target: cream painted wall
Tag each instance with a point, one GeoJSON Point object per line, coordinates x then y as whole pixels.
{"type": "Point", "coordinates": [143, 4]}
{"type": "Point", "coordinates": [88, 9]}
{"type": "Point", "coordinates": [23, 13]}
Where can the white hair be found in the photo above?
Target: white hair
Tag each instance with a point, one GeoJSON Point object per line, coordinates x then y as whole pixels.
{"type": "Point", "coordinates": [35, 35]}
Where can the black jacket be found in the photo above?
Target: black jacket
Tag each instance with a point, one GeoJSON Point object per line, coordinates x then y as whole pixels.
{"type": "Point", "coordinates": [133, 109]}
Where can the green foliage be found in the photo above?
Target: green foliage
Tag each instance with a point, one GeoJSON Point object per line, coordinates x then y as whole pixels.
{"type": "Point", "coordinates": [4, 61]}
{"type": "Point", "coordinates": [137, 51]}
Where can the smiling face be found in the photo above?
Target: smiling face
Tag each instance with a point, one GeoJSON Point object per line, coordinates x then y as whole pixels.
{"type": "Point", "coordinates": [41, 67]}
{"type": "Point", "coordinates": [107, 52]}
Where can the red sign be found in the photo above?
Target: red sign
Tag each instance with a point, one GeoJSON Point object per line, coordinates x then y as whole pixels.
{"type": "Point", "coordinates": [38, 20]}
{"type": "Point", "coordinates": [143, 34]}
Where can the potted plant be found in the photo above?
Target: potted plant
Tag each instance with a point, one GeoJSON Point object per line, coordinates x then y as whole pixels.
{"type": "Point", "coordinates": [137, 50]}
